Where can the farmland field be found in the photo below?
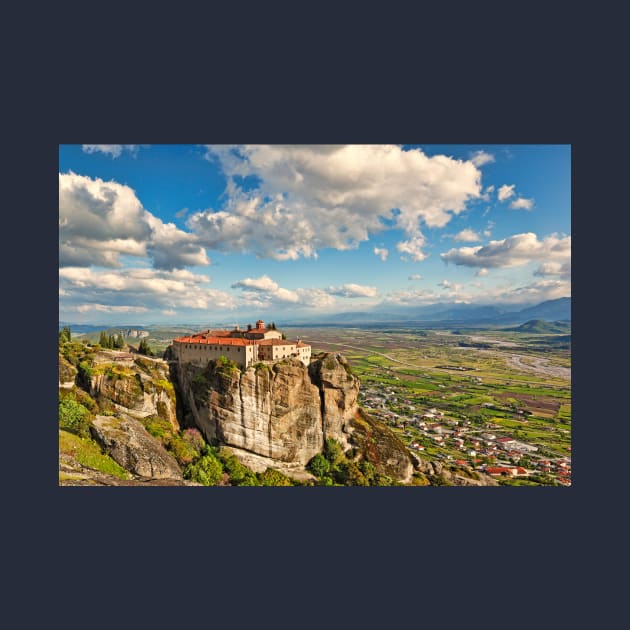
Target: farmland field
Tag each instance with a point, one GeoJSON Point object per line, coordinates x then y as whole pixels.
{"type": "Point", "coordinates": [444, 392]}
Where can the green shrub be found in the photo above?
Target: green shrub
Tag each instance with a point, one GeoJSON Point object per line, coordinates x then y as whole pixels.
{"type": "Point", "coordinates": [349, 474]}
{"type": "Point", "coordinates": [85, 371]}
{"type": "Point", "coordinates": [325, 481]}
{"type": "Point", "coordinates": [319, 466]}
{"type": "Point", "coordinates": [207, 470]}
{"type": "Point", "coordinates": [333, 451]}
{"type": "Point", "coordinates": [273, 477]}
{"type": "Point", "coordinates": [74, 417]}
{"type": "Point", "coordinates": [183, 451]}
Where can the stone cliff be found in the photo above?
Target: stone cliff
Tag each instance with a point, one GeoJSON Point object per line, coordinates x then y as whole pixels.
{"type": "Point", "coordinates": [285, 411]}
{"type": "Point", "coordinates": [140, 388]}
{"type": "Point", "coordinates": [126, 441]}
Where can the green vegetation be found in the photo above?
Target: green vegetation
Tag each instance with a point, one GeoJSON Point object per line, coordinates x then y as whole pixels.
{"type": "Point", "coordinates": [319, 466]}
{"type": "Point", "coordinates": [73, 415]}
{"type": "Point", "coordinates": [225, 365]}
{"type": "Point", "coordinates": [239, 475]}
{"type": "Point", "coordinates": [519, 386]}
{"type": "Point", "coordinates": [144, 348]}
{"type": "Point", "coordinates": [207, 470]}
{"type": "Point", "coordinates": [271, 477]}
{"type": "Point", "coordinates": [218, 467]}
{"type": "Point", "coordinates": [88, 453]}
{"type": "Point", "coordinates": [65, 335]}
{"type": "Point", "coordinates": [111, 341]}
{"type": "Point", "coordinates": [336, 468]}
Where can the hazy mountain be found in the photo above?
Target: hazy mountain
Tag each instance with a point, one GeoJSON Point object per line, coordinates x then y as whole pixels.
{"type": "Point", "coordinates": [550, 310]}
{"type": "Point", "coordinates": [540, 326]}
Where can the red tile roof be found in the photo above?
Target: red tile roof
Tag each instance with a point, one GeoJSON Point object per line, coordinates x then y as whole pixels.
{"type": "Point", "coordinates": [223, 341]}
{"type": "Point", "coordinates": [275, 342]}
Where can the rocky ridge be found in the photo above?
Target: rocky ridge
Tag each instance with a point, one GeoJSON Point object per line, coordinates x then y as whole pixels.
{"type": "Point", "coordinates": [286, 411]}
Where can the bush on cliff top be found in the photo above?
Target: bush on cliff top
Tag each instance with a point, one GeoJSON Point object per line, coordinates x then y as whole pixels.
{"type": "Point", "coordinates": [73, 416]}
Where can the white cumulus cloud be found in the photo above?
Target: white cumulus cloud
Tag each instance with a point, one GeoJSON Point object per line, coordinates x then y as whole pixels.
{"type": "Point", "coordinates": [480, 158]}
{"type": "Point", "coordinates": [99, 221]}
{"type": "Point", "coordinates": [312, 197]}
{"type": "Point", "coordinates": [415, 276]}
{"type": "Point", "coordinates": [382, 253]}
{"type": "Point", "coordinates": [413, 247]}
{"type": "Point", "coordinates": [522, 204]}
{"type": "Point", "coordinates": [353, 290]}
{"type": "Point", "coordinates": [140, 288]}
{"type": "Point", "coordinates": [512, 251]}
{"type": "Point", "coordinates": [467, 236]}
{"type": "Point", "coordinates": [554, 268]}
{"type": "Point", "coordinates": [506, 191]}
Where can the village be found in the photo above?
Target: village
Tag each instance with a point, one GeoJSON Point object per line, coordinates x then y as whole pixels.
{"type": "Point", "coordinates": [460, 440]}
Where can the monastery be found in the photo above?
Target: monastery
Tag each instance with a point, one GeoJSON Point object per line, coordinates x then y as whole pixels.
{"type": "Point", "coordinates": [244, 347]}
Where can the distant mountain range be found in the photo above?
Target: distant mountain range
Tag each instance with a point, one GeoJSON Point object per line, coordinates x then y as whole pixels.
{"type": "Point", "coordinates": [550, 310]}
{"type": "Point", "coordinates": [457, 314]}
{"type": "Point", "coordinates": [541, 327]}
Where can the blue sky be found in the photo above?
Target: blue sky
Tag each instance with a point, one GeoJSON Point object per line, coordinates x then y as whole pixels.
{"type": "Point", "coordinates": [203, 234]}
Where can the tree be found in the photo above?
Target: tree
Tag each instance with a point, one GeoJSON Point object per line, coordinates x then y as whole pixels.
{"type": "Point", "coordinates": [102, 340]}
{"type": "Point", "coordinates": [318, 465]}
{"type": "Point", "coordinates": [333, 451]}
{"type": "Point", "coordinates": [272, 326]}
{"type": "Point", "coordinates": [207, 470]}
{"type": "Point", "coordinates": [74, 417]}
{"type": "Point", "coordinates": [143, 348]}
{"type": "Point", "coordinates": [65, 334]}
{"type": "Point", "coordinates": [118, 342]}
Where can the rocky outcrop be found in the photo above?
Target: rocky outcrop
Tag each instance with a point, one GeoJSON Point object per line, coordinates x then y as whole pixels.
{"type": "Point", "coordinates": [67, 373]}
{"type": "Point", "coordinates": [272, 411]}
{"type": "Point", "coordinates": [141, 389]}
{"type": "Point", "coordinates": [128, 443]}
{"type": "Point", "coordinates": [284, 412]}
{"type": "Point", "coordinates": [339, 391]}
{"type": "Point", "coordinates": [380, 446]}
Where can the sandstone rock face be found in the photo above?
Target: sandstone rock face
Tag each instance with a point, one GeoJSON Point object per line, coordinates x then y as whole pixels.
{"type": "Point", "coordinates": [339, 391]}
{"type": "Point", "coordinates": [127, 442]}
{"type": "Point", "coordinates": [142, 390]}
{"type": "Point", "coordinates": [273, 412]}
{"type": "Point", "coordinates": [67, 373]}
{"type": "Point", "coordinates": [285, 411]}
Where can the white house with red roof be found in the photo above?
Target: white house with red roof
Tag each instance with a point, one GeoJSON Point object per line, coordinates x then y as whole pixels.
{"type": "Point", "coordinates": [244, 347]}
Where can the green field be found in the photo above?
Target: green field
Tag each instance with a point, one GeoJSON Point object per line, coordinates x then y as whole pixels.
{"type": "Point", "coordinates": [517, 385]}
